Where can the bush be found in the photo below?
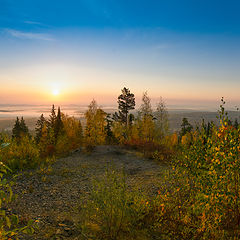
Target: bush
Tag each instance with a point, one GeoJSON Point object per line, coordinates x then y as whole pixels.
{"type": "Point", "coordinates": [9, 222]}
{"type": "Point", "coordinates": [161, 152]}
{"type": "Point", "coordinates": [113, 211]}
{"type": "Point", "coordinates": [21, 154]}
{"type": "Point", "coordinates": [201, 200]}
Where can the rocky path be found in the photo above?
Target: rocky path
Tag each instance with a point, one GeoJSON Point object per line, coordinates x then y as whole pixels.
{"type": "Point", "coordinates": [52, 197]}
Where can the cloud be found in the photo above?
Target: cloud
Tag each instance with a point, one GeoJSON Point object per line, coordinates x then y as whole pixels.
{"type": "Point", "coordinates": [29, 35]}
{"type": "Point", "coordinates": [36, 23]}
{"type": "Point", "coordinates": [33, 23]}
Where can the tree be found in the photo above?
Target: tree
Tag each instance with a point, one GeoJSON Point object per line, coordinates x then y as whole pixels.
{"type": "Point", "coordinates": [108, 129]}
{"type": "Point", "coordinates": [146, 107]}
{"type": "Point", "coordinates": [43, 141]}
{"type": "Point", "coordinates": [161, 117]}
{"type": "Point", "coordinates": [23, 127]}
{"type": "Point", "coordinates": [71, 137]}
{"type": "Point", "coordinates": [20, 129]}
{"type": "Point", "coordinates": [58, 125]}
{"type": "Point", "coordinates": [236, 124]}
{"type": "Point", "coordinates": [206, 128]}
{"type": "Point", "coordinates": [186, 127]}
{"type": "Point", "coordinates": [126, 102]}
{"type": "Point", "coordinates": [145, 119]}
{"type": "Point", "coordinates": [131, 119]}
{"type": "Point", "coordinates": [39, 126]}
{"type": "Point", "coordinates": [79, 131]}
{"type": "Point", "coordinates": [16, 131]}
{"type": "Point", "coordinates": [95, 131]}
{"type": "Point", "coordinates": [55, 124]}
{"type": "Point", "coordinates": [119, 132]}
{"type": "Point", "coordinates": [52, 119]}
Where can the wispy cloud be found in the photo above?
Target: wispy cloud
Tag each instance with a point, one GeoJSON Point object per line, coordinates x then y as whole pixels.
{"type": "Point", "coordinates": [33, 23]}
{"type": "Point", "coordinates": [29, 35]}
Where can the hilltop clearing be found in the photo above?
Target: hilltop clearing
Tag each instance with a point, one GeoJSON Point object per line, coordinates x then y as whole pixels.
{"type": "Point", "coordinates": [52, 197]}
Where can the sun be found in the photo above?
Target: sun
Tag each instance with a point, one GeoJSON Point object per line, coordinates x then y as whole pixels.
{"type": "Point", "coordinates": [55, 92]}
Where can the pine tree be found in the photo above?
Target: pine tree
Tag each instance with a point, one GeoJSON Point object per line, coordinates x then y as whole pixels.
{"type": "Point", "coordinates": [24, 128]}
{"type": "Point", "coordinates": [58, 125]}
{"type": "Point", "coordinates": [131, 119]}
{"type": "Point", "coordinates": [186, 127]}
{"type": "Point", "coordinates": [126, 102]}
{"type": "Point", "coordinates": [16, 131]}
{"type": "Point", "coordinates": [236, 124]}
{"type": "Point", "coordinates": [52, 119]}
{"type": "Point", "coordinates": [108, 129]}
{"type": "Point", "coordinates": [20, 129]}
{"type": "Point", "coordinates": [39, 126]}
{"type": "Point", "coordinates": [43, 141]}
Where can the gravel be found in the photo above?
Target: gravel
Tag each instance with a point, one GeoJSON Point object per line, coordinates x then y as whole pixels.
{"type": "Point", "coordinates": [51, 197]}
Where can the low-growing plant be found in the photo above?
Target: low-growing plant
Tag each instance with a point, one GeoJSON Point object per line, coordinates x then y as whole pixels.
{"type": "Point", "coordinates": [201, 197]}
{"type": "Point", "coordinates": [21, 154]}
{"type": "Point", "coordinates": [114, 211]}
{"type": "Point", "coordinates": [9, 222]}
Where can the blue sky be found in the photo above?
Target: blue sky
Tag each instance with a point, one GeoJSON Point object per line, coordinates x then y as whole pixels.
{"type": "Point", "coordinates": [198, 16]}
{"type": "Point", "coordinates": [185, 51]}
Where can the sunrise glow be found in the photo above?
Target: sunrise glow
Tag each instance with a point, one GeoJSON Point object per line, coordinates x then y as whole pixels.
{"type": "Point", "coordinates": [55, 92]}
{"type": "Point", "coordinates": [117, 112]}
{"type": "Point", "coordinates": [98, 47]}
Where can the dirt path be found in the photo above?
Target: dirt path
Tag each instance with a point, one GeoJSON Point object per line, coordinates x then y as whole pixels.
{"type": "Point", "coordinates": [52, 198]}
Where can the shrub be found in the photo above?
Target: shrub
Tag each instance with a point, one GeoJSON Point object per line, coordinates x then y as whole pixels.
{"type": "Point", "coordinates": [201, 200]}
{"type": "Point", "coordinates": [9, 222]}
{"type": "Point", "coordinates": [21, 154]}
{"type": "Point", "coordinates": [113, 211]}
{"type": "Point", "coordinates": [64, 146]}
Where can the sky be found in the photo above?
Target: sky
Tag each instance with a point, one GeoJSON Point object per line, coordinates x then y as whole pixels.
{"type": "Point", "coordinates": [71, 51]}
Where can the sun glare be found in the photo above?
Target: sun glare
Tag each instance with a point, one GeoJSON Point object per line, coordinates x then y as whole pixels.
{"type": "Point", "coordinates": [55, 92]}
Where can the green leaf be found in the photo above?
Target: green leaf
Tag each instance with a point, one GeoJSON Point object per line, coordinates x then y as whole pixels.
{"type": "Point", "coordinates": [3, 145]}
{"type": "Point", "coordinates": [30, 222]}
{"type": "Point", "coordinates": [25, 231]}
{"type": "Point", "coordinates": [14, 219]}
{"type": "Point", "coordinates": [10, 194]}
{"type": "Point", "coordinates": [8, 222]}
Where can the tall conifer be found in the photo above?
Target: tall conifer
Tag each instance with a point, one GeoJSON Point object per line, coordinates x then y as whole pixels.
{"type": "Point", "coordinates": [20, 129]}
{"type": "Point", "coordinates": [39, 127]}
{"type": "Point", "coordinates": [58, 126]}
{"type": "Point", "coordinates": [52, 118]}
{"type": "Point", "coordinates": [126, 102]}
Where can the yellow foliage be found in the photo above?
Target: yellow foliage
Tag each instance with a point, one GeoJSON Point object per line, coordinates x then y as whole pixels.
{"type": "Point", "coordinates": [95, 132]}
{"type": "Point", "coordinates": [186, 139]}
{"type": "Point", "coordinates": [21, 154]}
{"type": "Point", "coordinates": [134, 132]}
{"type": "Point", "coordinates": [119, 132]}
{"type": "Point", "coordinates": [172, 139]}
{"type": "Point", "coordinates": [146, 128]}
{"type": "Point", "coordinates": [71, 138]}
